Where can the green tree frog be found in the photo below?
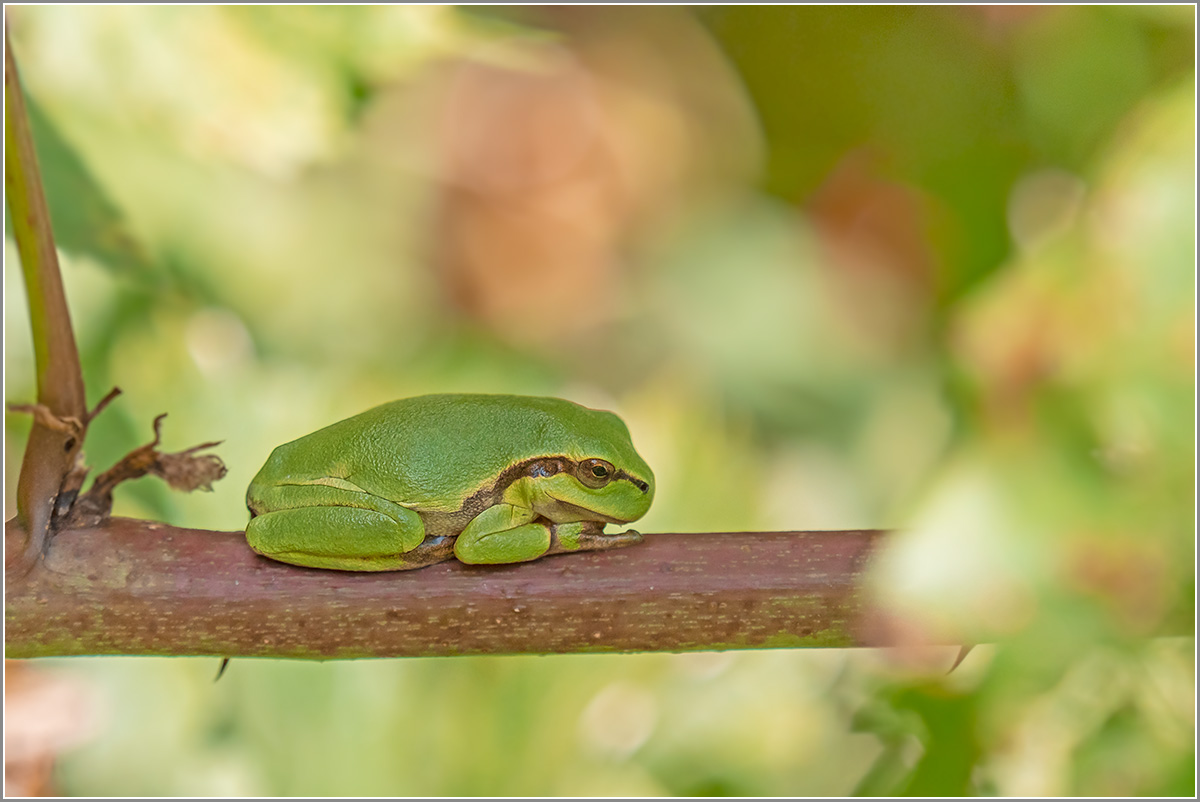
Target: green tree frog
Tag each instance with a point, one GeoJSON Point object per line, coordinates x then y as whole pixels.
{"type": "Point", "coordinates": [481, 478]}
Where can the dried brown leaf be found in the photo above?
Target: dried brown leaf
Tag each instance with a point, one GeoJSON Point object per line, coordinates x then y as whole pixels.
{"type": "Point", "coordinates": [183, 470]}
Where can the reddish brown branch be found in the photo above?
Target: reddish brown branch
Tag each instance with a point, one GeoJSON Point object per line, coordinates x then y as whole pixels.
{"type": "Point", "coordinates": [136, 587]}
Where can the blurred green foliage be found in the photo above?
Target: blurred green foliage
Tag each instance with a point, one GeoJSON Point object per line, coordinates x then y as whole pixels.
{"type": "Point", "coordinates": [837, 267]}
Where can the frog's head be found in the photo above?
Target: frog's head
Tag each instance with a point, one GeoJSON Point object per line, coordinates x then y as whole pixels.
{"type": "Point", "coordinates": [599, 478]}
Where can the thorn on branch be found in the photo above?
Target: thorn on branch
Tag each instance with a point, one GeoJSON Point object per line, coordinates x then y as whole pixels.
{"type": "Point", "coordinates": [102, 403]}
{"type": "Point", "coordinates": [183, 470]}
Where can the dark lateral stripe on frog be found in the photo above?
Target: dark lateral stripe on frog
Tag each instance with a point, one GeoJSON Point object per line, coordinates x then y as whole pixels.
{"type": "Point", "coordinates": [442, 523]}
{"type": "Point", "coordinates": [638, 483]}
{"type": "Point", "coordinates": [490, 495]}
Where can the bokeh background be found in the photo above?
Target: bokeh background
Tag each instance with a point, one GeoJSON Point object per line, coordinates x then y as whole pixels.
{"type": "Point", "coordinates": [927, 268]}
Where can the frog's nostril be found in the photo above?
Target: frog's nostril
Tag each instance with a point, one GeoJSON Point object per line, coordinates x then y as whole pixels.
{"type": "Point", "coordinates": [643, 486]}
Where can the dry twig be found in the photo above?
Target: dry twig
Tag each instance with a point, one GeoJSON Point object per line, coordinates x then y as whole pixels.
{"type": "Point", "coordinates": [183, 470]}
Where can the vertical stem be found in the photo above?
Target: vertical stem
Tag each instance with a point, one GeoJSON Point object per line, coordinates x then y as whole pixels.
{"type": "Point", "coordinates": [50, 454]}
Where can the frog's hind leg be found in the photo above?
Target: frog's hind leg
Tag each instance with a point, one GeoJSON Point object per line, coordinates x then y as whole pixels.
{"type": "Point", "coordinates": [326, 527]}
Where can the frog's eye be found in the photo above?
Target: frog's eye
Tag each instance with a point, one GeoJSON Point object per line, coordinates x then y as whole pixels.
{"type": "Point", "coordinates": [595, 473]}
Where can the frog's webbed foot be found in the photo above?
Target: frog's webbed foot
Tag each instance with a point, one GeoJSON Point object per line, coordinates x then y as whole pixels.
{"type": "Point", "coordinates": [588, 536]}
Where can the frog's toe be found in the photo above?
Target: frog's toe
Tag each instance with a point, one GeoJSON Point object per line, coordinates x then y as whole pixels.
{"type": "Point", "coordinates": [590, 536]}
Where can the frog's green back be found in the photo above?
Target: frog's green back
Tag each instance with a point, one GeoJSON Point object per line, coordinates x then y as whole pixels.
{"type": "Point", "coordinates": [432, 450]}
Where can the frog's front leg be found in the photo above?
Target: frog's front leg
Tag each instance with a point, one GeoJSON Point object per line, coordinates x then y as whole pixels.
{"type": "Point", "coordinates": [502, 534]}
{"type": "Point", "coordinates": [327, 527]}
{"type": "Point", "coordinates": [507, 533]}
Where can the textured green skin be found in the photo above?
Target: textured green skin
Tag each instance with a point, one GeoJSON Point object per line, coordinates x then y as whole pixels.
{"type": "Point", "coordinates": [387, 489]}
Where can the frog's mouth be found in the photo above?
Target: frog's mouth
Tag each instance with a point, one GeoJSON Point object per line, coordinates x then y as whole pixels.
{"type": "Point", "coordinates": [561, 511]}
